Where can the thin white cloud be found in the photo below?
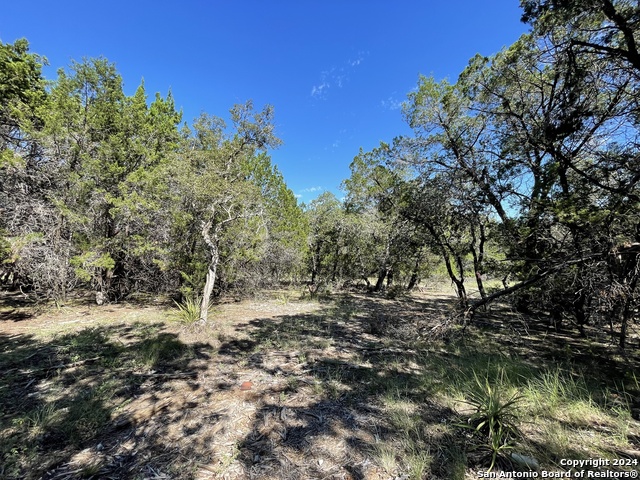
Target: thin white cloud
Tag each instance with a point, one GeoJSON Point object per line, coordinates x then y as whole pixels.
{"type": "Point", "coordinates": [310, 192]}
{"type": "Point", "coordinates": [312, 189]}
{"type": "Point", "coordinates": [359, 59]}
{"type": "Point", "coordinates": [336, 76]}
{"type": "Point", "coordinates": [391, 103]}
{"type": "Point", "coordinates": [319, 90]}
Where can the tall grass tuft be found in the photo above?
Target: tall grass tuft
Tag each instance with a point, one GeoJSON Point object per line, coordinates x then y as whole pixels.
{"type": "Point", "coordinates": [495, 418]}
{"type": "Point", "coordinates": [188, 312]}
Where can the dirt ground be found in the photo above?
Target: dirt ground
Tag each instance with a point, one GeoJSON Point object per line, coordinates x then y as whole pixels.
{"type": "Point", "coordinates": [277, 387]}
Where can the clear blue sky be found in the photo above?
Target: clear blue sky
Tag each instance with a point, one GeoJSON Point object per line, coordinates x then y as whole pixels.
{"type": "Point", "coordinates": [336, 71]}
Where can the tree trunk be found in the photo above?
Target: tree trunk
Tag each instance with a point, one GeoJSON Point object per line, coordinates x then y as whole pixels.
{"type": "Point", "coordinates": [384, 269]}
{"type": "Point", "coordinates": [208, 290]}
{"type": "Point", "coordinates": [627, 312]}
{"type": "Point", "coordinates": [334, 273]}
{"type": "Point", "coordinates": [315, 259]}
{"type": "Point", "coordinates": [461, 292]}
{"type": "Point", "coordinates": [413, 280]}
{"type": "Point", "coordinates": [212, 243]}
{"type": "Point", "coordinates": [580, 312]}
{"type": "Point", "coordinates": [382, 273]}
{"type": "Point", "coordinates": [477, 252]}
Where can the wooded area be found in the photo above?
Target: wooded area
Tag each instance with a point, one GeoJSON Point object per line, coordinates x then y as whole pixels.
{"type": "Point", "coordinates": [525, 170]}
{"type": "Point", "coordinates": [520, 185]}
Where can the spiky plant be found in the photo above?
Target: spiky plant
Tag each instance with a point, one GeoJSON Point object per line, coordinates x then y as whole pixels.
{"type": "Point", "coordinates": [188, 312]}
{"type": "Point", "coordinates": [495, 418]}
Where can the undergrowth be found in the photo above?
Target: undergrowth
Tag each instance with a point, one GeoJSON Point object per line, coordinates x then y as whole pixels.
{"type": "Point", "coordinates": [188, 311]}
{"type": "Point", "coordinates": [423, 407]}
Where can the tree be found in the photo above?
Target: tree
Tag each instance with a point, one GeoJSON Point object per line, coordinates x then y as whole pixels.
{"type": "Point", "coordinates": [281, 255]}
{"type": "Point", "coordinates": [21, 94]}
{"type": "Point", "coordinates": [212, 185]}
{"type": "Point", "coordinates": [606, 33]}
{"type": "Point", "coordinates": [544, 136]}
{"type": "Point", "coordinates": [105, 149]}
{"type": "Point", "coordinates": [375, 192]}
{"type": "Point", "coordinates": [23, 180]}
{"type": "Point", "coordinates": [81, 198]}
{"type": "Point", "coordinates": [607, 29]}
{"type": "Point", "coordinates": [101, 189]}
{"type": "Point", "coordinates": [324, 215]}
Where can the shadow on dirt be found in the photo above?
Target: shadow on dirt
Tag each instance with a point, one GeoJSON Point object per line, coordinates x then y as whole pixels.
{"type": "Point", "coordinates": [350, 390]}
{"type": "Point", "coordinates": [361, 379]}
{"type": "Point", "coordinates": [67, 403]}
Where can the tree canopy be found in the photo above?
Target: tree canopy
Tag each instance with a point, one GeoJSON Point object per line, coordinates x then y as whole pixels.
{"type": "Point", "coordinates": [525, 170]}
{"type": "Point", "coordinates": [105, 191]}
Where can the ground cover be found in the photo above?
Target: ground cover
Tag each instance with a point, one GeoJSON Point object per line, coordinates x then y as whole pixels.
{"type": "Point", "coordinates": [347, 385]}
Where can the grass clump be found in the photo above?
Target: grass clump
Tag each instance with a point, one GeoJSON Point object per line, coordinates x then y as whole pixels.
{"type": "Point", "coordinates": [385, 456]}
{"type": "Point", "coordinates": [552, 389]}
{"type": "Point", "coordinates": [494, 421]}
{"type": "Point", "coordinates": [407, 453]}
{"type": "Point", "coordinates": [160, 349]}
{"type": "Point", "coordinates": [39, 420]}
{"type": "Point", "coordinates": [188, 312]}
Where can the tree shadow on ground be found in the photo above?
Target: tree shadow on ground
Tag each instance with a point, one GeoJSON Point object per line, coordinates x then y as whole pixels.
{"type": "Point", "coordinates": [360, 384]}
{"type": "Point", "coordinates": [70, 402]}
{"type": "Point", "coordinates": [352, 390]}
{"type": "Point", "coordinates": [593, 352]}
{"type": "Point", "coordinates": [15, 306]}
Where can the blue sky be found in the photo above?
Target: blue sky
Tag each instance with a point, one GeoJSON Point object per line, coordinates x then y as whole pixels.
{"type": "Point", "coordinates": [335, 71]}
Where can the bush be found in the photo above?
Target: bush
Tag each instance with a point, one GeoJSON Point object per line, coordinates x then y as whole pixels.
{"type": "Point", "coordinates": [188, 312]}
{"type": "Point", "coordinates": [494, 420]}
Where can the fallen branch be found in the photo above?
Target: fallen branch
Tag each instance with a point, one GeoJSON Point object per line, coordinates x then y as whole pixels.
{"type": "Point", "coordinates": [56, 367]}
{"type": "Point", "coordinates": [382, 350]}
{"type": "Point", "coordinates": [317, 417]}
{"type": "Point", "coordinates": [471, 309]}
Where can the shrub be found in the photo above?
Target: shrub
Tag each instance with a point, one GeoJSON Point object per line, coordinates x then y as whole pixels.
{"type": "Point", "coordinates": [495, 417]}
{"type": "Point", "coordinates": [188, 312]}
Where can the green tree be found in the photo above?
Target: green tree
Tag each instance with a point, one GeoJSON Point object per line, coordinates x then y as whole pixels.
{"type": "Point", "coordinates": [324, 216]}
{"type": "Point", "coordinates": [23, 178]}
{"type": "Point", "coordinates": [287, 229]}
{"type": "Point", "coordinates": [212, 183]}
{"type": "Point", "coordinates": [600, 40]}
{"type": "Point", "coordinates": [378, 191]}
{"type": "Point", "coordinates": [105, 148]}
{"type": "Point", "coordinates": [542, 137]}
{"type": "Point", "coordinates": [22, 91]}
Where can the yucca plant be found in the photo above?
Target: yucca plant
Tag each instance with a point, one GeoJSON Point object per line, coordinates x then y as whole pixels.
{"type": "Point", "coordinates": [494, 419]}
{"type": "Point", "coordinates": [188, 312]}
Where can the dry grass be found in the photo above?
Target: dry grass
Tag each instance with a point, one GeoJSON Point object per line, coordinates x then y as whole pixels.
{"type": "Point", "coordinates": [344, 387]}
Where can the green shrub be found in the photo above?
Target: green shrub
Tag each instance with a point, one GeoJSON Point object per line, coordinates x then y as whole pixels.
{"type": "Point", "coordinates": [495, 418]}
{"type": "Point", "coordinates": [188, 312]}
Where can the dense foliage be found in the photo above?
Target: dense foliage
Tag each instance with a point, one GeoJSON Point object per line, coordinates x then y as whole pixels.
{"type": "Point", "coordinates": [525, 170]}
{"type": "Point", "coordinates": [104, 191]}
{"type": "Point", "coordinates": [523, 175]}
